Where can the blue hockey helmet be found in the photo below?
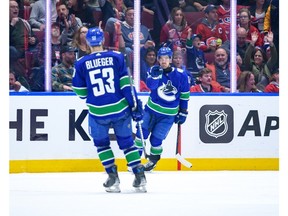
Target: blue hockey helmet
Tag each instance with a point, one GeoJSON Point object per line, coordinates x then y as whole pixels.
{"type": "Point", "coordinates": [95, 36]}
{"type": "Point", "coordinates": [164, 51]}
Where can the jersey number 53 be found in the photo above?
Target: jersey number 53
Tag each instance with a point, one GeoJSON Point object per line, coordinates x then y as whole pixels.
{"type": "Point", "coordinates": [101, 88]}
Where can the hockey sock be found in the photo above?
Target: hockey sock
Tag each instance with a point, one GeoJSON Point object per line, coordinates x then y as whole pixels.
{"type": "Point", "coordinates": [139, 145]}
{"type": "Point", "coordinates": [132, 156]}
{"type": "Point", "coordinates": [155, 153]}
{"type": "Point", "coordinates": [156, 150]}
{"type": "Point", "coordinates": [106, 156]}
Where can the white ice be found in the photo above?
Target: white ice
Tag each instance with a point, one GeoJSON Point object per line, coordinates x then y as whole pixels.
{"type": "Point", "coordinates": [198, 193]}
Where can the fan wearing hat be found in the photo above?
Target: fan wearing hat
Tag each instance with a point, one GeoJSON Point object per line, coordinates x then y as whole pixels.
{"type": "Point", "coordinates": [211, 30]}
{"type": "Point", "coordinates": [195, 56]}
{"type": "Point", "coordinates": [62, 73]}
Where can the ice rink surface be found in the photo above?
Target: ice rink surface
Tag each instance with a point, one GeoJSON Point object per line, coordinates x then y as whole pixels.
{"type": "Point", "coordinates": [179, 193]}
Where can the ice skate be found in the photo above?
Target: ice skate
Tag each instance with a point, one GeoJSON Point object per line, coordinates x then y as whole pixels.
{"type": "Point", "coordinates": [129, 169]}
{"type": "Point", "coordinates": [139, 182]}
{"type": "Point", "coordinates": [150, 165]}
{"type": "Point", "coordinates": [112, 183]}
{"type": "Point", "coordinates": [152, 161]}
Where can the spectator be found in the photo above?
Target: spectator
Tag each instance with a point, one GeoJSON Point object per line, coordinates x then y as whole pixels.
{"type": "Point", "coordinates": [273, 86]}
{"type": "Point", "coordinates": [29, 2]}
{"type": "Point", "coordinates": [195, 56]}
{"type": "Point", "coordinates": [117, 37]}
{"type": "Point", "coordinates": [69, 24]}
{"type": "Point", "coordinates": [211, 30]}
{"type": "Point", "coordinates": [200, 5]}
{"type": "Point", "coordinates": [55, 48]}
{"type": "Point", "coordinates": [21, 37]}
{"type": "Point", "coordinates": [242, 45]}
{"type": "Point", "coordinates": [146, 5]}
{"type": "Point", "coordinates": [245, 2]}
{"type": "Point", "coordinates": [175, 30]}
{"type": "Point", "coordinates": [258, 11]}
{"type": "Point", "coordinates": [80, 9]}
{"type": "Point", "coordinates": [56, 43]}
{"type": "Point", "coordinates": [178, 62]}
{"type": "Point", "coordinates": [245, 22]}
{"type": "Point", "coordinates": [112, 8]}
{"type": "Point", "coordinates": [148, 59]}
{"type": "Point", "coordinates": [62, 73]}
{"type": "Point", "coordinates": [93, 4]}
{"type": "Point", "coordinates": [162, 10]}
{"type": "Point", "coordinates": [38, 14]}
{"type": "Point", "coordinates": [246, 82]}
{"type": "Point", "coordinates": [221, 69]}
{"type": "Point", "coordinates": [80, 43]}
{"type": "Point", "coordinates": [187, 6]}
{"type": "Point", "coordinates": [223, 12]}
{"type": "Point", "coordinates": [271, 22]}
{"type": "Point", "coordinates": [21, 4]}
{"type": "Point", "coordinates": [205, 85]}
{"type": "Point", "coordinates": [256, 61]}
{"type": "Point", "coordinates": [14, 84]}
{"type": "Point", "coordinates": [127, 29]}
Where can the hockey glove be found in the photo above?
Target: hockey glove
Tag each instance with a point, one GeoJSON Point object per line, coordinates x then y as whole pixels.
{"type": "Point", "coordinates": [180, 118]}
{"type": "Point", "coordinates": [137, 114]}
{"type": "Point", "coordinates": [156, 71]}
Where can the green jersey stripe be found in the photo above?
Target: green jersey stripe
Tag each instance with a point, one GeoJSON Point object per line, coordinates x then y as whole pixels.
{"type": "Point", "coordinates": [124, 81]}
{"type": "Point", "coordinates": [160, 109]}
{"type": "Point", "coordinates": [109, 108]}
{"type": "Point", "coordinates": [184, 95]}
{"type": "Point", "coordinates": [81, 92]}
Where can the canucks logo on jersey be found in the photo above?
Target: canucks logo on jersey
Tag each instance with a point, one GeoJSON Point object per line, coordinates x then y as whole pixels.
{"type": "Point", "coordinates": [167, 91]}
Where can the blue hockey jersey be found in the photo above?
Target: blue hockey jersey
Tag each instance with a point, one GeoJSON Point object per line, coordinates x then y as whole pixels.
{"type": "Point", "coordinates": [102, 79]}
{"type": "Point", "coordinates": [169, 93]}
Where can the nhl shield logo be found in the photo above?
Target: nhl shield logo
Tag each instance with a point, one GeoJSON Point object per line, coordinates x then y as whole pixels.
{"type": "Point", "coordinates": [216, 123]}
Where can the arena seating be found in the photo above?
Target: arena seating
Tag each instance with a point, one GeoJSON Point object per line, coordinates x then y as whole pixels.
{"type": "Point", "coordinates": [194, 18]}
{"type": "Point", "coordinates": [147, 20]}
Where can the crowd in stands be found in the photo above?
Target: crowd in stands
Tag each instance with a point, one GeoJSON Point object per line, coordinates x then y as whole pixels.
{"type": "Point", "coordinates": [197, 31]}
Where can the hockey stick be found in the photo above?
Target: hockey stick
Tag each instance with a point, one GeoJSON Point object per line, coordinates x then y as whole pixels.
{"type": "Point", "coordinates": [179, 157]}
{"type": "Point", "coordinates": [135, 106]}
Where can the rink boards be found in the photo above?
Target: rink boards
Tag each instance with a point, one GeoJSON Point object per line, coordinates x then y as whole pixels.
{"type": "Point", "coordinates": [49, 133]}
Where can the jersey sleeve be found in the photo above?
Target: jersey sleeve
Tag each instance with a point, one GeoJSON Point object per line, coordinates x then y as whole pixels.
{"type": "Point", "coordinates": [185, 92]}
{"type": "Point", "coordinates": [125, 85]}
{"type": "Point", "coordinates": [78, 81]}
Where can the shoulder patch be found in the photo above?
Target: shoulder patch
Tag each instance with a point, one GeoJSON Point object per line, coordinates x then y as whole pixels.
{"type": "Point", "coordinates": [116, 51]}
{"type": "Point", "coordinates": [79, 58]}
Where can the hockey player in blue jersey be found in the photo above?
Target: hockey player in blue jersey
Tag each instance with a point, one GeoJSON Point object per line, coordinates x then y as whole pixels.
{"type": "Point", "coordinates": [167, 104]}
{"type": "Point", "coordinates": [101, 78]}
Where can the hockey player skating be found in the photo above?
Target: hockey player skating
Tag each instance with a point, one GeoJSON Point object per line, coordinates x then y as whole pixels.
{"type": "Point", "coordinates": [102, 79]}
{"type": "Point", "coordinates": [167, 104]}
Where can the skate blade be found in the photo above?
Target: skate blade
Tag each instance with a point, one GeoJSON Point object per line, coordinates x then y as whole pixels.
{"type": "Point", "coordinates": [149, 169]}
{"type": "Point", "coordinates": [141, 189]}
{"type": "Point", "coordinates": [113, 189]}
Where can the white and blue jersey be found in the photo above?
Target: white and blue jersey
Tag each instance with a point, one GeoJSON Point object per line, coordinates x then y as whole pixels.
{"type": "Point", "coordinates": [169, 93]}
{"type": "Point", "coordinates": [102, 79]}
